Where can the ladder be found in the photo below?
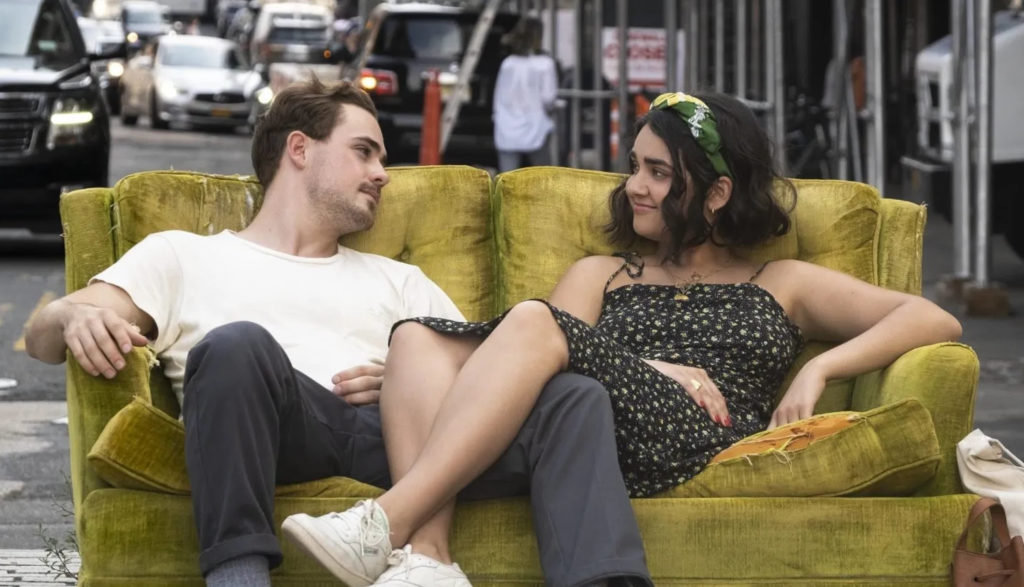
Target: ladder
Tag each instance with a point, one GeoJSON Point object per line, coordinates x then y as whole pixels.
{"type": "Point", "coordinates": [466, 69]}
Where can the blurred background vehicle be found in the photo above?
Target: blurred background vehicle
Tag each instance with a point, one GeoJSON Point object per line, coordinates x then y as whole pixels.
{"type": "Point", "coordinates": [401, 44]}
{"type": "Point", "coordinates": [183, 10]}
{"type": "Point", "coordinates": [143, 20]}
{"type": "Point", "coordinates": [194, 80]}
{"type": "Point", "coordinates": [54, 125]}
{"type": "Point", "coordinates": [291, 32]}
{"type": "Point", "coordinates": [104, 36]}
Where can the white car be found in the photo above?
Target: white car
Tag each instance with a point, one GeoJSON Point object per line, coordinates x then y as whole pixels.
{"type": "Point", "coordinates": [193, 80]}
{"type": "Point", "coordinates": [291, 32]}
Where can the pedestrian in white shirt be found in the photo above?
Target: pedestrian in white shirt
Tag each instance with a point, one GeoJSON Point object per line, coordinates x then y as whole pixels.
{"type": "Point", "coordinates": [523, 97]}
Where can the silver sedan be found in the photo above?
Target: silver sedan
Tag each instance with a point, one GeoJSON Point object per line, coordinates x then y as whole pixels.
{"type": "Point", "coordinates": [193, 80]}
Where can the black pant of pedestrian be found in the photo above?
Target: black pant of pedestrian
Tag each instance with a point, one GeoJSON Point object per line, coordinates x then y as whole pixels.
{"type": "Point", "coordinates": [252, 421]}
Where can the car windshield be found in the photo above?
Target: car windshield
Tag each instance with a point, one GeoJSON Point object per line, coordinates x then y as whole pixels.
{"type": "Point", "coordinates": [424, 37]}
{"type": "Point", "coordinates": [302, 35]}
{"type": "Point", "coordinates": [143, 17]}
{"type": "Point", "coordinates": [199, 56]}
{"type": "Point", "coordinates": [39, 30]}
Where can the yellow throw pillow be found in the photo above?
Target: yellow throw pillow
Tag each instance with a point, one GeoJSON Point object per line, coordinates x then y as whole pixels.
{"type": "Point", "coordinates": [887, 451]}
{"type": "Point", "coordinates": [143, 448]}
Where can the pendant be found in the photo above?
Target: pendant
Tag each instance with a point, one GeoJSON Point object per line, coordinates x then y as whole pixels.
{"type": "Point", "coordinates": [682, 297]}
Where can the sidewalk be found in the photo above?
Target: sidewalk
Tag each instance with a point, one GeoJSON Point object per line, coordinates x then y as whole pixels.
{"type": "Point", "coordinates": [27, 567]}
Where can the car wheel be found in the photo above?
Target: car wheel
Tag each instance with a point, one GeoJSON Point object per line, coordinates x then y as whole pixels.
{"type": "Point", "coordinates": [126, 118]}
{"type": "Point", "coordinates": [100, 179]}
{"type": "Point", "coordinates": [154, 119]}
{"type": "Point", "coordinates": [114, 103]}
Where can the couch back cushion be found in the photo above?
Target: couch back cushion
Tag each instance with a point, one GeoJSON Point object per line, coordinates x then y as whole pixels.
{"type": "Point", "coordinates": [435, 218]}
{"type": "Point", "coordinates": [545, 220]}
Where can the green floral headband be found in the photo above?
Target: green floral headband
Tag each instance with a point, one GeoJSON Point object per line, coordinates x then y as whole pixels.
{"type": "Point", "coordinates": [701, 121]}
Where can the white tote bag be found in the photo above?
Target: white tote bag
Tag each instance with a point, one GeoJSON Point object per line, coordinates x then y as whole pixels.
{"type": "Point", "coordinates": [990, 470]}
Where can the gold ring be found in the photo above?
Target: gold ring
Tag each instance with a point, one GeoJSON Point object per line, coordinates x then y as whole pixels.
{"type": "Point", "coordinates": [695, 384]}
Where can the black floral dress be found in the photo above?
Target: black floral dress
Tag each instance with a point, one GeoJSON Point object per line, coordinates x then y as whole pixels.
{"type": "Point", "coordinates": [738, 333]}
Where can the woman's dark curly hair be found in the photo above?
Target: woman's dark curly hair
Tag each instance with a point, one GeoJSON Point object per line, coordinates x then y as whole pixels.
{"type": "Point", "coordinates": [753, 213]}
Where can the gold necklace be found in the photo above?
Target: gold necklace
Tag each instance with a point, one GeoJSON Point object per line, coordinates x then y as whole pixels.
{"type": "Point", "coordinates": [684, 287]}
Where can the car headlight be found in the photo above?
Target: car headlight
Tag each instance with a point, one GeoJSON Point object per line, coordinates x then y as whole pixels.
{"type": "Point", "coordinates": [71, 122]}
{"type": "Point", "coordinates": [115, 68]}
{"type": "Point", "coordinates": [132, 37]}
{"type": "Point", "coordinates": [264, 95]}
{"type": "Point", "coordinates": [167, 89]}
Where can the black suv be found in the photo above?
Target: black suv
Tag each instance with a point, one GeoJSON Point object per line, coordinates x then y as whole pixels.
{"type": "Point", "coordinates": [402, 43]}
{"type": "Point", "coordinates": [54, 125]}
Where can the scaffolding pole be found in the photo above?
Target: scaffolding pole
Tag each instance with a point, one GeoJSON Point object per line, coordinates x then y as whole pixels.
{"type": "Point", "coordinates": [671, 55]}
{"type": "Point", "coordinates": [622, 20]}
{"type": "Point", "coordinates": [741, 49]}
{"type": "Point", "coordinates": [960, 118]}
{"type": "Point", "coordinates": [983, 189]}
{"type": "Point", "coordinates": [874, 56]}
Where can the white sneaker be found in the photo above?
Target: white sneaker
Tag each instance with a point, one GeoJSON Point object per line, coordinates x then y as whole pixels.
{"type": "Point", "coordinates": [419, 570]}
{"type": "Point", "coordinates": [353, 545]}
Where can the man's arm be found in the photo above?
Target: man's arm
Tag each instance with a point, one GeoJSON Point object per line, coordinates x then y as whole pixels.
{"type": "Point", "coordinates": [99, 324]}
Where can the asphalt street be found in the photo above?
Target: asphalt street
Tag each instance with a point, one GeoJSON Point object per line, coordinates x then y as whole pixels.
{"type": "Point", "coordinates": [34, 493]}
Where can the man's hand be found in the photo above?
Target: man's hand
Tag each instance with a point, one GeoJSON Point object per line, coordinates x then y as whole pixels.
{"type": "Point", "coordinates": [699, 386]}
{"type": "Point", "coordinates": [359, 385]}
{"type": "Point", "coordinates": [98, 338]}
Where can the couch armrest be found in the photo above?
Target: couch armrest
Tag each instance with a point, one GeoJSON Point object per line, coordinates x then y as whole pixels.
{"type": "Point", "coordinates": [943, 377]}
{"type": "Point", "coordinates": [92, 402]}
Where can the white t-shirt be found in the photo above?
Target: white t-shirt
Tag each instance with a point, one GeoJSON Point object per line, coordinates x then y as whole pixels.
{"type": "Point", "coordinates": [328, 313]}
{"type": "Point", "coordinates": [523, 94]}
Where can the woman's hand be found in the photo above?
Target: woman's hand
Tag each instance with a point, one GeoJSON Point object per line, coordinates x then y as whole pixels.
{"type": "Point", "coordinates": [699, 386]}
{"type": "Point", "coordinates": [799, 401]}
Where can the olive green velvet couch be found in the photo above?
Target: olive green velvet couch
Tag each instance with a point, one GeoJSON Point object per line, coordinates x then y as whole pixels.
{"type": "Point", "coordinates": [489, 243]}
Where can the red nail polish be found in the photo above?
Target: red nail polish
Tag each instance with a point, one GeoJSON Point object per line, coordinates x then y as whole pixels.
{"type": "Point", "coordinates": [728, 421]}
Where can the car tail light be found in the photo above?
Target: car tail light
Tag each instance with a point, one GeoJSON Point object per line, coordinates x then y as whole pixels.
{"type": "Point", "coordinates": [379, 81]}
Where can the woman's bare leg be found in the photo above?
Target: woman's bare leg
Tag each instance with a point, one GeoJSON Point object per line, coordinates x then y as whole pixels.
{"type": "Point", "coordinates": [420, 369]}
{"type": "Point", "coordinates": [491, 397]}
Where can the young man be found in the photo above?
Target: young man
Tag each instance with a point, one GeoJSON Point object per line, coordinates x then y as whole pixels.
{"type": "Point", "coordinates": [274, 339]}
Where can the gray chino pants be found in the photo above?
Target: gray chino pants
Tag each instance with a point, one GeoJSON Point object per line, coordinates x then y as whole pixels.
{"type": "Point", "coordinates": [252, 421]}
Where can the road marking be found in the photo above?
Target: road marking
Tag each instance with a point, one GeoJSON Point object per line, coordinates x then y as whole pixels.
{"type": "Point", "coordinates": [4, 308]}
{"type": "Point", "coordinates": [47, 297]}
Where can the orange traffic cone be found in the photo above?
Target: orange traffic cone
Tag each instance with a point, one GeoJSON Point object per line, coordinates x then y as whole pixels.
{"type": "Point", "coordinates": [613, 130]}
{"type": "Point", "coordinates": [641, 105]}
{"type": "Point", "coordinates": [430, 135]}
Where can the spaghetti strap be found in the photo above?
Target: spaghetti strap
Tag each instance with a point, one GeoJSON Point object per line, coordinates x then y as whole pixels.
{"type": "Point", "coordinates": [631, 262]}
{"type": "Point", "coordinates": [759, 270]}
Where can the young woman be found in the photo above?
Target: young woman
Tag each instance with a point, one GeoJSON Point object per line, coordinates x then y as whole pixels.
{"type": "Point", "coordinates": [691, 342]}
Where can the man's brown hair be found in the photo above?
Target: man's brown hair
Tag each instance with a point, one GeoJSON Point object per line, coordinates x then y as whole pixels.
{"type": "Point", "coordinates": [311, 107]}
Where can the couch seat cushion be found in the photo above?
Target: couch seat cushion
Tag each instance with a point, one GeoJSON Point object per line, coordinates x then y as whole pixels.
{"type": "Point", "coordinates": [888, 451]}
{"type": "Point", "coordinates": [143, 448]}
{"type": "Point", "coordinates": [142, 538]}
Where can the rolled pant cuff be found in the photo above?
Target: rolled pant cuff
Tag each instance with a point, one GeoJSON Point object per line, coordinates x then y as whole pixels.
{"type": "Point", "coordinates": [608, 569]}
{"type": "Point", "coordinates": [261, 544]}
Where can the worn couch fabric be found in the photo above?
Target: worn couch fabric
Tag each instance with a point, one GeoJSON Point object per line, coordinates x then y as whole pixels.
{"type": "Point", "coordinates": [490, 243]}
